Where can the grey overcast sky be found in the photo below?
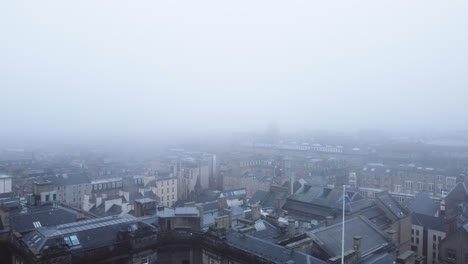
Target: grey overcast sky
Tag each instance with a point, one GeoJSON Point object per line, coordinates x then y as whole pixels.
{"type": "Point", "coordinates": [139, 68]}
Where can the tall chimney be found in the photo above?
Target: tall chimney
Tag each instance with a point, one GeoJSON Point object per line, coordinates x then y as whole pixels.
{"type": "Point", "coordinates": [291, 228]}
{"type": "Point", "coordinates": [292, 182]}
{"type": "Point", "coordinates": [228, 212]}
{"type": "Point", "coordinates": [300, 226]}
{"type": "Point", "coordinates": [255, 211]}
{"type": "Point", "coordinates": [357, 245]}
{"type": "Point", "coordinates": [392, 234]}
{"type": "Point", "coordinates": [221, 205]}
{"type": "Point", "coordinates": [278, 203]}
{"type": "Point", "coordinates": [201, 212]}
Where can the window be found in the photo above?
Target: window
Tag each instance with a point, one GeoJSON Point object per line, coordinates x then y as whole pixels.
{"type": "Point", "coordinates": [162, 183]}
{"type": "Point", "coordinates": [397, 188]}
{"type": "Point", "coordinates": [412, 231]}
{"type": "Point", "coordinates": [172, 189]}
{"type": "Point", "coordinates": [431, 187]}
{"type": "Point", "coordinates": [408, 185]}
{"type": "Point", "coordinates": [173, 181]}
{"type": "Point", "coordinates": [55, 196]}
{"type": "Point", "coordinates": [95, 187]}
{"type": "Point", "coordinates": [167, 189]}
{"type": "Point", "coordinates": [71, 240]}
{"type": "Point", "coordinates": [417, 240]}
{"type": "Point", "coordinates": [144, 260]}
{"type": "Point", "coordinates": [47, 198]}
{"type": "Point", "coordinates": [168, 197]}
{"type": "Point", "coordinates": [162, 191]}
{"type": "Point", "coordinates": [417, 232]}
{"type": "Point", "coordinates": [434, 237]}
{"type": "Point", "coordinates": [173, 197]}
{"type": "Point", "coordinates": [451, 254]}
{"type": "Point", "coordinates": [100, 186]}
{"type": "Point", "coordinates": [421, 186]}
{"type": "Point", "coordinates": [434, 246]}
{"type": "Point", "coordinates": [412, 239]}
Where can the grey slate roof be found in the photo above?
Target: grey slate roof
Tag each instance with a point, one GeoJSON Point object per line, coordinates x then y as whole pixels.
{"type": "Point", "coordinates": [268, 199]}
{"type": "Point", "coordinates": [458, 193]}
{"type": "Point", "coordinates": [330, 237]}
{"type": "Point", "coordinates": [392, 205]}
{"type": "Point", "coordinates": [258, 197]}
{"type": "Point", "coordinates": [383, 258]}
{"type": "Point", "coordinates": [429, 222]}
{"type": "Point", "coordinates": [319, 201]}
{"type": "Point", "coordinates": [423, 204]}
{"type": "Point", "coordinates": [92, 233]}
{"type": "Point", "coordinates": [265, 230]}
{"type": "Point", "coordinates": [68, 179]}
{"type": "Point", "coordinates": [30, 218]}
{"type": "Point", "coordinates": [267, 250]}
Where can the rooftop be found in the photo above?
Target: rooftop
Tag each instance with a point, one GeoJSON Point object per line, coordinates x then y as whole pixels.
{"type": "Point", "coordinates": [330, 237]}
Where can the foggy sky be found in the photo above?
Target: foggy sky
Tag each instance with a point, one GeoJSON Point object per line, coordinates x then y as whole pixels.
{"type": "Point", "coordinates": [144, 68]}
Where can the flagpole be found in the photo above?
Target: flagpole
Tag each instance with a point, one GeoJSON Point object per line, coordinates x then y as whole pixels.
{"type": "Point", "coordinates": [342, 225]}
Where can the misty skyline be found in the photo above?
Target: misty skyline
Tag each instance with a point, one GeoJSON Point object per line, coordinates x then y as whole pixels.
{"type": "Point", "coordinates": [95, 69]}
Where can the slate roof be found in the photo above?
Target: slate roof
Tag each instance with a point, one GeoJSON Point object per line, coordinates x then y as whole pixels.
{"type": "Point", "coordinates": [267, 199]}
{"type": "Point", "coordinates": [207, 196]}
{"type": "Point", "coordinates": [265, 230]}
{"type": "Point", "coordinates": [267, 250]}
{"type": "Point", "coordinates": [383, 258]}
{"type": "Point", "coordinates": [319, 201]}
{"type": "Point", "coordinates": [458, 193]}
{"type": "Point", "coordinates": [429, 222]}
{"type": "Point", "coordinates": [27, 219]}
{"type": "Point", "coordinates": [209, 206]}
{"type": "Point", "coordinates": [258, 197]}
{"type": "Point", "coordinates": [423, 204]}
{"type": "Point", "coordinates": [392, 205]}
{"type": "Point", "coordinates": [68, 179]}
{"type": "Point", "coordinates": [330, 237]}
{"type": "Point", "coordinates": [92, 233]}
{"type": "Point", "coordinates": [163, 211]}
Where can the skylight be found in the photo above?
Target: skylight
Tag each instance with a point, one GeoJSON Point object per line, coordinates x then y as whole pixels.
{"type": "Point", "coordinates": [71, 240]}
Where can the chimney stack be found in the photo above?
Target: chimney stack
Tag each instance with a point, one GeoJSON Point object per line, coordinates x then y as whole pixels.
{"type": "Point", "coordinates": [357, 245]}
{"type": "Point", "coordinates": [255, 211]}
{"type": "Point", "coordinates": [221, 205]}
{"type": "Point", "coordinates": [201, 212]}
{"type": "Point", "coordinates": [291, 228]}
{"type": "Point", "coordinates": [392, 234]}
{"type": "Point", "coordinates": [300, 226]}
{"type": "Point", "coordinates": [278, 203]}
{"type": "Point", "coordinates": [228, 212]}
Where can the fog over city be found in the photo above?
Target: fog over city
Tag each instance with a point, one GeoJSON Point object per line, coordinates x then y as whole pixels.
{"type": "Point", "coordinates": [125, 69]}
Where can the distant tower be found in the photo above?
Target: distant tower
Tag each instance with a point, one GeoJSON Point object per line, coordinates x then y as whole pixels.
{"type": "Point", "coordinates": [292, 180]}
